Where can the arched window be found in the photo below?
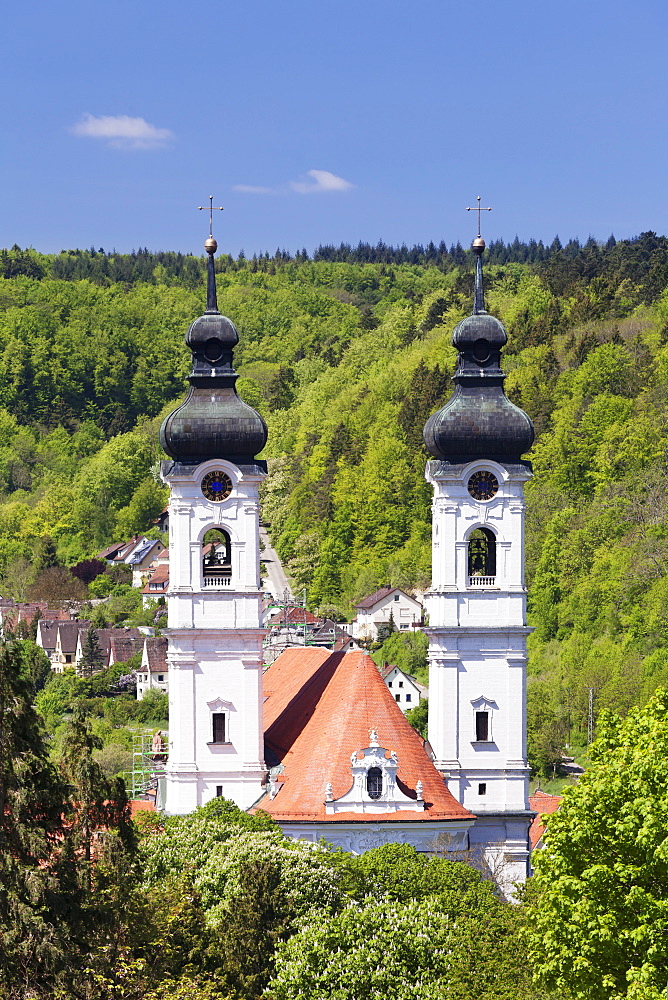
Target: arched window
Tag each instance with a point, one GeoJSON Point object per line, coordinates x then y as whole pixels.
{"type": "Point", "coordinates": [216, 558]}
{"type": "Point", "coordinates": [482, 555]}
{"type": "Point", "coordinates": [374, 782]}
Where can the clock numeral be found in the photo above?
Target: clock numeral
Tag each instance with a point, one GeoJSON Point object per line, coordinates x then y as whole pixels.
{"type": "Point", "coordinates": [483, 485]}
{"type": "Point", "coordinates": [216, 486]}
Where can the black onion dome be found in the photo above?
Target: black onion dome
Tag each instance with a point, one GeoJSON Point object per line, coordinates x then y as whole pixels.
{"type": "Point", "coordinates": [479, 421]}
{"type": "Point", "coordinates": [213, 422]}
{"type": "Point", "coordinates": [479, 326]}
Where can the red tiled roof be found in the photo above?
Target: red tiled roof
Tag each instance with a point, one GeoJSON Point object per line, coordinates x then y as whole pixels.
{"type": "Point", "coordinates": [295, 616]}
{"type": "Point", "coordinates": [140, 805]}
{"type": "Point", "coordinates": [295, 676]}
{"type": "Point", "coordinates": [378, 595]}
{"type": "Point", "coordinates": [320, 708]}
{"type": "Point", "coordinates": [541, 803]}
{"type": "Point", "coordinates": [161, 576]}
{"type": "Point", "coordinates": [372, 599]}
{"type": "Point", "coordinates": [26, 612]}
{"type": "Point", "coordinates": [111, 550]}
{"type": "Point", "coordinates": [68, 633]}
{"type": "Point", "coordinates": [343, 642]}
{"type": "Point", "coordinates": [124, 646]}
{"type": "Point", "coordinates": [156, 652]}
{"type": "Point", "coordinates": [386, 668]}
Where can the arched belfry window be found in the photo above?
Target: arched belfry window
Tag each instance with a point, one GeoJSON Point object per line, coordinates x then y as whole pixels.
{"type": "Point", "coordinates": [482, 556]}
{"type": "Point", "coordinates": [216, 558]}
{"type": "Point", "coordinates": [374, 782]}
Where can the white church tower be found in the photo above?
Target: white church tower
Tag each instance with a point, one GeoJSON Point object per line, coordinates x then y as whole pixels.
{"type": "Point", "coordinates": [214, 602]}
{"type": "Point", "coordinates": [477, 600]}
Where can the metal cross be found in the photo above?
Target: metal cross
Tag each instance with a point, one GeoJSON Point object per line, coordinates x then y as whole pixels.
{"type": "Point", "coordinates": [215, 208]}
{"type": "Point", "coordinates": [478, 210]}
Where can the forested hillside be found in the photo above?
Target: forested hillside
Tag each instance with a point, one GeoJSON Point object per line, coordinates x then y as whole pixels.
{"type": "Point", "coordinates": [346, 354]}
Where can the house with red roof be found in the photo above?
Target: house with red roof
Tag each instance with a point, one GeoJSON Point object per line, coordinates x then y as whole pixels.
{"type": "Point", "coordinates": [153, 672]}
{"type": "Point", "coordinates": [404, 689]}
{"type": "Point", "coordinates": [157, 584]}
{"type": "Point", "coordinates": [344, 762]}
{"type": "Point", "coordinates": [387, 606]}
{"type": "Point", "coordinates": [543, 805]}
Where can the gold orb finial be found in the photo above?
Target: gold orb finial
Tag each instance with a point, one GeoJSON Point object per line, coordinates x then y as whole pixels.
{"type": "Point", "coordinates": [478, 244]}
{"type": "Point", "coordinates": [210, 245]}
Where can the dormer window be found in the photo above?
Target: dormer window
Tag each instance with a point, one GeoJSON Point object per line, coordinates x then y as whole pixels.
{"type": "Point", "coordinates": [374, 787]}
{"type": "Point", "coordinates": [374, 782]}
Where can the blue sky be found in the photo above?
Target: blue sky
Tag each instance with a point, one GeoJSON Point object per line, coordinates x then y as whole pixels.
{"type": "Point", "coordinates": [353, 119]}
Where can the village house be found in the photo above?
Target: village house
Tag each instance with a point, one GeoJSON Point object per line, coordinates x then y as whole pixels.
{"type": "Point", "coordinates": [63, 643]}
{"type": "Point", "coordinates": [67, 644]}
{"type": "Point", "coordinates": [153, 672]}
{"type": "Point", "coordinates": [382, 608]}
{"type": "Point", "coordinates": [11, 613]}
{"type": "Point", "coordinates": [328, 633]}
{"type": "Point", "coordinates": [405, 689]}
{"type": "Point", "coordinates": [139, 553]}
{"type": "Point", "coordinates": [157, 584]}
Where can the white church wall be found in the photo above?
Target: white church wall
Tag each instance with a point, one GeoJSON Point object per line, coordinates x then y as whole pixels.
{"type": "Point", "coordinates": [477, 653]}
{"type": "Point", "coordinates": [435, 837]}
{"type": "Point", "coordinates": [214, 645]}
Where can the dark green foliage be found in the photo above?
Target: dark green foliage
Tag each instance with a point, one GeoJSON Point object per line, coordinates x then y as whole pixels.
{"type": "Point", "coordinates": [425, 393]}
{"type": "Point", "coordinates": [259, 919]}
{"type": "Point", "coordinates": [92, 657]}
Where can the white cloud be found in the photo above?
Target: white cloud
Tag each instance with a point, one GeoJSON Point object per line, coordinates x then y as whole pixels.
{"type": "Point", "coordinates": [122, 131]}
{"type": "Point", "coordinates": [251, 189]}
{"type": "Point", "coordinates": [321, 180]}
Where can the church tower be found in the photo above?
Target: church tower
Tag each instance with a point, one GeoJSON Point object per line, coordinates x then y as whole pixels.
{"type": "Point", "coordinates": [214, 602]}
{"type": "Point", "coordinates": [477, 600]}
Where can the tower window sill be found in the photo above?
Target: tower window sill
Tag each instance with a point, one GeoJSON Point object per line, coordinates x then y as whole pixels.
{"type": "Point", "coordinates": [484, 743]}
{"type": "Point", "coordinates": [224, 743]}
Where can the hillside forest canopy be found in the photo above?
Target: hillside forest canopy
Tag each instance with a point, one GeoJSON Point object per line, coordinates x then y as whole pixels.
{"type": "Point", "coordinates": [345, 353]}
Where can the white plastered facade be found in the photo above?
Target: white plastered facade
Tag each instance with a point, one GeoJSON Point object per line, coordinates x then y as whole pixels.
{"type": "Point", "coordinates": [215, 638]}
{"type": "Point", "coordinates": [477, 660]}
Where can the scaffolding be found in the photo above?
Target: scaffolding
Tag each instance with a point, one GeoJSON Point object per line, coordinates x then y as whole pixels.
{"type": "Point", "coordinates": [291, 623]}
{"type": "Point", "coordinates": [148, 764]}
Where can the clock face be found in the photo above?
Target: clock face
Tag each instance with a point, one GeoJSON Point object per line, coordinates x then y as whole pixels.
{"type": "Point", "coordinates": [483, 485]}
{"type": "Point", "coordinates": [216, 486]}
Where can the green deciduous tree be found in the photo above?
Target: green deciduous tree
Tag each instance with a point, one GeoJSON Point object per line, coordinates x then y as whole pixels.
{"type": "Point", "coordinates": [597, 923]}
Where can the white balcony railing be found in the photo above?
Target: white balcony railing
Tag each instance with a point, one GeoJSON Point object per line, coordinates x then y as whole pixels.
{"type": "Point", "coordinates": [216, 582]}
{"type": "Point", "coordinates": [482, 581]}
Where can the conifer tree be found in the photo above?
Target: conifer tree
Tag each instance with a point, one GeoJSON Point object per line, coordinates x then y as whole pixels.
{"type": "Point", "coordinates": [32, 933]}
{"type": "Point", "coordinates": [92, 659]}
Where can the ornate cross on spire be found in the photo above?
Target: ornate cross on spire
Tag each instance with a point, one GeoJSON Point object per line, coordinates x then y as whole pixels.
{"type": "Point", "coordinates": [478, 209]}
{"type": "Point", "coordinates": [215, 208]}
{"type": "Point", "coordinates": [211, 246]}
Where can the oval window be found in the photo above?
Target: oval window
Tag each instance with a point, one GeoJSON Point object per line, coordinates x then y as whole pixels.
{"type": "Point", "coordinates": [374, 782]}
{"type": "Point", "coordinates": [481, 351]}
{"type": "Point", "coordinates": [213, 350]}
